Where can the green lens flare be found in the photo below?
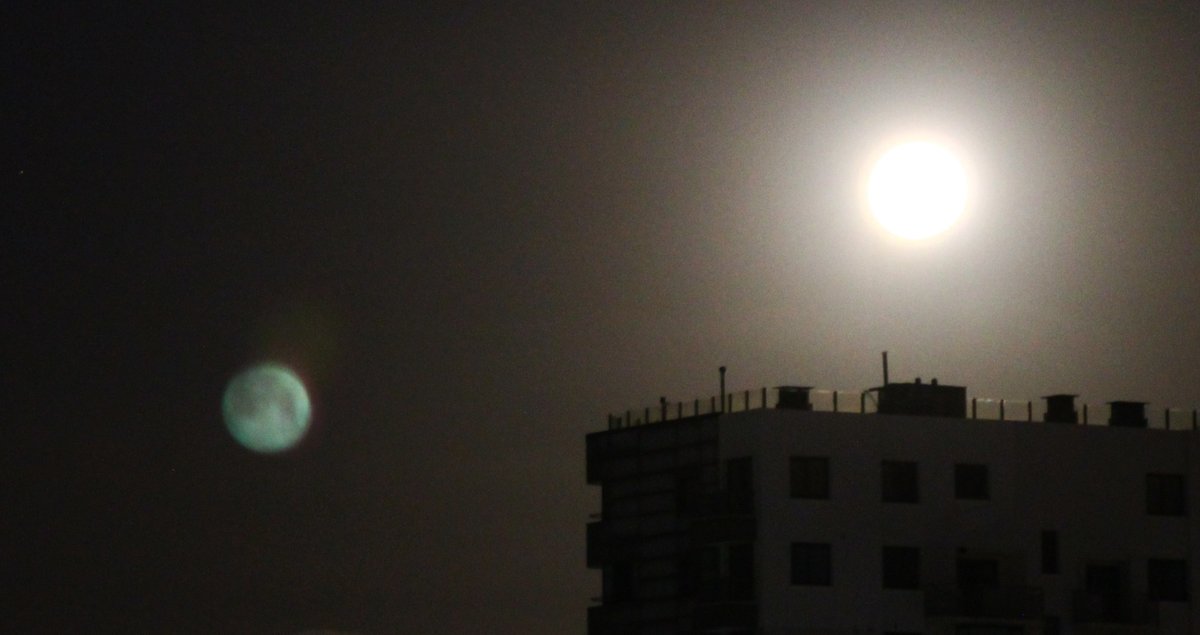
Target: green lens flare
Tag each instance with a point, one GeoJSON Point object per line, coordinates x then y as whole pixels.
{"type": "Point", "coordinates": [266, 408]}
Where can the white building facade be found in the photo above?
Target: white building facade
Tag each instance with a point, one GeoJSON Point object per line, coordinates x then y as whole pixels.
{"type": "Point", "coordinates": [784, 520]}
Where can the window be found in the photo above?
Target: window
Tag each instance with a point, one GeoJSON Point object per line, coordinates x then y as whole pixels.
{"type": "Point", "coordinates": [900, 482]}
{"type": "Point", "coordinates": [971, 481]}
{"type": "Point", "coordinates": [618, 581]}
{"type": "Point", "coordinates": [741, 571]}
{"type": "Point", "coordinates": [1165, 495]}
{"type": "Point", "coordinates": [739, 474]}
{"type": "Point", "coordinates": [1049, 551]}
{"type": "Point", "coordinates": [1167, 580]}
{"type": "Point", "coordinates": [812, 564]}
{"type": "Point", "coordinates": [901, 567]}
{"type": "Point", "coordinates": [977, 573]}
{"type": "Point", "coordinates": [810, 477]}
{"type": "Point", "coordinates": [739, 481]}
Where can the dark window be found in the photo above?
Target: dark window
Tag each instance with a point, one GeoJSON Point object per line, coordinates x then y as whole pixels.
{"type": "Point", "coordinates": [739, 474]}
{"type": "Point", "coordinates": [1051, 625]}
{"type": "Point", "coordinates": [1049, 551]}
{"type": "Point", "coordinates": [812, 564]}
{"type": "Point", "coordinates": [739, 481]}
{"type": "Point", "coordinates": [618, 582]}
{"type": "Point", "coordinates": [741, 571]}
{"type": "Point", "coordinates": [977, 573]}
{"type": "Point", "coordinates": [1165, 495]}
{"type": "Point", "coordinates": [810, 477]}
{"type": "Point", "coordinates": [706, 568]}
{"type": "Point", "coordinates": [901, 567]}
{"type": "Point", "coordinates": [1167, 580]}
{"type": "Point", "coordinates": [1106, 583]}
{"type": "Point", "coordinates": [971, 481]}
{"type": "Point", "coordinates": [900, 482]}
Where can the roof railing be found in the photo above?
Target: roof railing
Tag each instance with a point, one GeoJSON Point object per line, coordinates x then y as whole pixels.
{"type": "Point", "coordinates": [864, 402]}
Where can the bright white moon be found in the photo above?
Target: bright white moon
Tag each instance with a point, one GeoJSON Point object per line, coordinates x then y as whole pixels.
{"type": "Point", "coordinates": [266, 408]}
{"type": "Point", "coordinates": [917, 190]}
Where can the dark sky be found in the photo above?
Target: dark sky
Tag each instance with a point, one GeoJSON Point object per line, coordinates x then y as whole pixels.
{"type": "Point", "coordinates": [476, 231]}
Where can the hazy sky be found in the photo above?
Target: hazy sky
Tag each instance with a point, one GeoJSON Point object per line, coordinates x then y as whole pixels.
{"type": "Point", "coordinates": [477, 231]}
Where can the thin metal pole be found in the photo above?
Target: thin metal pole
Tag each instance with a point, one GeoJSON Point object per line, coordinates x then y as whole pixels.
{"type": "Point", "coordinates": [722, 389]}
{"type": "Point", "coordinates": [974, 415]}
{"type": "Point", "coordinates": [835, 404]}
{"type": "Point", "coordinates": [1002, 410]}
{"type": "Point", "coordinates": [1029, 408]}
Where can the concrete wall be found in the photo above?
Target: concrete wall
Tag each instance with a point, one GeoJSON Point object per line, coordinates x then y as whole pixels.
{"type": "Point", "coordinates": [1085, 482]}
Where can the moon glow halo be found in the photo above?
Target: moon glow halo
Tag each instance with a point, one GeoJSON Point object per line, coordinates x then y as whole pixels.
{"type": "Point", "coordinates": [917, 190]}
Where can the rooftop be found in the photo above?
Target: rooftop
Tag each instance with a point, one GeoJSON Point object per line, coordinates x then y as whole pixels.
{"type": "Point", "coordinates": [1052, 408]}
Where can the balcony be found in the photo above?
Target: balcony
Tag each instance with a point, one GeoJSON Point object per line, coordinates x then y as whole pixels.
{"type": "Point", "coordinates": [725, 615]}
{"type": "Point", "coordinates": [1012, 603]}
{"type": "Point", "coordinates": [604, 547]}
{"type": "Point", "coordinates": [613, 618]}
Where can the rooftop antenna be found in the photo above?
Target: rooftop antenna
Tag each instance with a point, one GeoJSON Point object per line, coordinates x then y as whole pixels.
{"type": "Point", "coordinates": [885, 373]}
{"type": "Point", "coordinates": [722, 410]}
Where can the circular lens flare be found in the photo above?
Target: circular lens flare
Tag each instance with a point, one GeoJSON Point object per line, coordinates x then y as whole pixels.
{"type": "Point", "coordinates": [917, 190]}
{"type": "Point", "coordinates": [266, 408]}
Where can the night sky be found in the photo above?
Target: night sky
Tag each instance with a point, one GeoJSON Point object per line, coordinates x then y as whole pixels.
{"type": "Point", "coordinates": [477, 231]}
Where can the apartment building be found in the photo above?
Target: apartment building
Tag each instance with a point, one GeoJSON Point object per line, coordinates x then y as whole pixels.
{"type": "Point", "coordinates": [762, 514]}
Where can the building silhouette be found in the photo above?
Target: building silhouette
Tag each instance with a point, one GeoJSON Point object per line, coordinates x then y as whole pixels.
{"type": "Point", "coordinates": [903, 509]}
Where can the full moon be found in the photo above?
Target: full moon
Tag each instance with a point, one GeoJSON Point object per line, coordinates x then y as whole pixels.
{"type": "Point", "coordinates": [266, 408]}
{"type": "Point", "coordinates": [917, 190]}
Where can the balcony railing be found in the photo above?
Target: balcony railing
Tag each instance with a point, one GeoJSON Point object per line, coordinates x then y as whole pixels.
{"type": "Point", "coordinates": [1092, 608]}
{"type": "Point", "coordinates": [853, 401]}
{"type": "Point", "coordinates": [1000, 602]}
{"type": "Point", "coordinates": [725, 615]}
